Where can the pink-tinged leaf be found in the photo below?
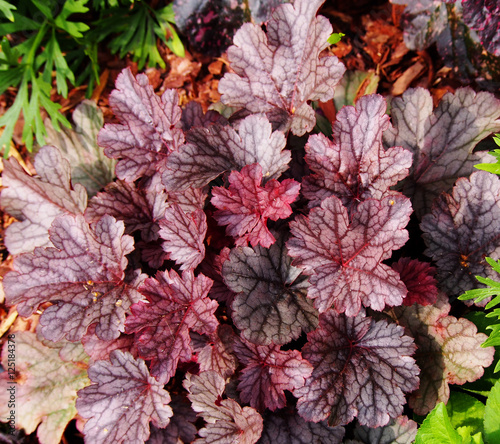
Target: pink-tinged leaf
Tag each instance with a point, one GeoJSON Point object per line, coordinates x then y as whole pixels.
{"type": "Point", "coordinates": [184, 235]}
{"type": "Point", "coordinates": [442, 140]}
{"type": "Point", "coordinates": [279, 72]}
{"type": "Point", "coordinates": [344, 256]}
{"type": "Point", "coordinates": [418, 278]}
{"type": "Point", "coordinates": [448, 351]}
{"type": "Point", "coordinates": [285, 427]}
{"type": "Point", "coordinates": [272, 304]}
{"type": "Point", "coordinates": [362, 368]}
{"type": "Point", "coordinates": [43, 385]}
{"type": "Point", "coordinates": [189, 200]}
{"type": "Point", "coordinates": [355, 166]}
{"type": "Point", "coordinates": [175, 305]}
{"type": "Point", "coordinates": [268, 372]}
{"type": "Point", "coordinates": [193, 116]}
{"type": "Point", "coordinates": [210, 151]}
{"type": "Point", "coordinates": [83, 275]}
{"type": "Point", "coordinates": [483, 16]}
{"type": "Point", "coordinates": [121, 401]}
{"type": "Point", "coordinates": [148, 130]}
{"type": "Point", "coordinates": [37, 200]}
{"type": "Point", "coordinates": [227, 421]}
{"type": "Point", "coordinates": [99, 350]}
{"type": "Point", "coordinates": [246, 206]}
{"type": "Point", "coordinates": [462, 229]}
{"type": "Point", "coordinates": [399, 431]}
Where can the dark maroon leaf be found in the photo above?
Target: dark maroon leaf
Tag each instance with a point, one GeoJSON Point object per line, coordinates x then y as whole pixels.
{"type": "Point", "coordinates": [362, 368]}
{"type": "Point", "coordinates": [279, 72]}
{"type": "Point", "coordinates": [35, 201]}
{"type": "Point", "coordinates": [271, 305]}
{"type": "Point", "coordinates": [175, 305]}
{"type": "Point", "coordinates": [355, 166]}
{"type": "Point", "coordinates": [246, 206]}
{"type": "Point", "coordinates": [210, 151]}
{"type": "Point", "coordinates": [83, 274]}
{"type": "Point", "coordinates": [418, 278]}
{"type": "Point", "coordinates": [484, 17]}
{"type": "Point", "coordinates": [122, 400]}
{"type": "Point", "coordinates": [148, 130]}
{"type": "Point", "coordinates": [462, 229]}
{"type": "Point", "coordinates": [399, 431]}
{"type": "Point", "coordinates": [268, 371]}
{"type": "Point", "coordinates": [343, 256]}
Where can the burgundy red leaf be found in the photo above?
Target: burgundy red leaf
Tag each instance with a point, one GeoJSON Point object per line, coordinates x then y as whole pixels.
{"type": "Point", "coordinates": [418, 278]}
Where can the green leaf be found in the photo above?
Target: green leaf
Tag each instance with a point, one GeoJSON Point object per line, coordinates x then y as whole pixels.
{"type": "Point", "coordinates": [6, 9]}
{"type": "Point", "coordinates": [492, 415]}
{"type": "Point", "coordinates": [465, 411]}
{"type": "Point", "coordinates": [335, 38]}
{"type": "Point", "coordinates": [437, 428]}
{"type": "Point", "coordinates": [492, 167]}
{"type": "Point", "coordinates": [75, 29]}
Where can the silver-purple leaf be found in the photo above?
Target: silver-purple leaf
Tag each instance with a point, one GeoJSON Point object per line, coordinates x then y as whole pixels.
{"type": "Point", "coordinates": [83, 275]}
{"type": "Point", "coordinates": [148, 130]}
{"type": "Point", "coordinates": [355, 166]}
{"type": "Point", "coordinates": [122, 400]}
{"type": "Point", "coordinates": [343, 255]}
{"type": "Point", "coordinates": [462, 229]}
{"type": "Point", "coordinates": [35, 201]}
{"type": "Point", "coordinates": [362, 368]}
{"type": "Point", "coordinates": [400, 430]}
{"type": "Point", "coordinates": [280, 71]}
{"type": "Point", "coordinates": [210, 151]}
{"type": "Point", "coordinates": [271, 305]}
{"type": "Point", "coordinates": [442, 140]}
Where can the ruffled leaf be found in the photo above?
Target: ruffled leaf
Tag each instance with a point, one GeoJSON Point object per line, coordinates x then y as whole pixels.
{"type": "Point", "coordinates": [83, 275]}
{"type": "Point", "coordinates": [121, 401]}
{"type": "Point", "coordinates": [175, 305]}
{"type": "Point", "coordinates": [362, 368]}
{"type": "Point", "coordinates": [246, 206]}
{"type": "Point", "coordinates": [37, 200]}
{"type": "Point", "coordinates": [343, 256]}
{"type": "Point", "coordinates": [279, 72]}
{"type": "Point", "coordinates": [398, 431]}
{"type": "Point", "coordinates": [418, 278]}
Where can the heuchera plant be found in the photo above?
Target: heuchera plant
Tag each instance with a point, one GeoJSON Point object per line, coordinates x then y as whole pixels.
{"type": "Point", "coordinates": [226, 289]}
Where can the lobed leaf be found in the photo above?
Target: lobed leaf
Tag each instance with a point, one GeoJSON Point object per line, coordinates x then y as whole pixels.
{"type": "Point", "coordinates": [400, 430]}
{"type": "Point", "coordinates": [418, 278]}
{"type": "Point", "coordinates": [344, 255]}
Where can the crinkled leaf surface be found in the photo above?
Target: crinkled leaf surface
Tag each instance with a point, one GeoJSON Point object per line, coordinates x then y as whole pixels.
{"type": "Point", "coordinates": [246, 206]}
{"type": "Point", "coordinates": [271, 305]}
{"type": "Point", "coordinates": [400, 430]}
{"type": "Point", "coordinates": [268, 372]}
{"type": "Point", "coordinates": [441, 140]}
{"type": "Point", "coordinates": [209, 151]}
{"type": "Point", "coordinates": [343, 256]}
{"type": "Point", "coordinates": [175, 305]}
{"type": "Point", "coordinates": [45, 393]}
{"type": "Point", "coordinates": [484, 17]}
{"type": "Point", "coordinates": [418, 278]}
{"type": "Point", "coordinates": [279, 72]}
{"type": "Point", "coordinates": [355, 166]}
{"type": "Point", "coordinates": [449, 351]}
{"type": "Point", "coordinates": [285, 427]}
{"type": "Point", "coordinates": [184, 235]}
{"type": "Point", "coordinates": [148, 130]}
{"type": "Point", "coordinates": [227, 421]}
{"type": "Point", "coordinates": [462, 229]}
{"type": "Point", "coordinates": [89, 166]}
{"type": "Point", "coordinates": [99, 350]}
{"type": "Point", "coordinates": [83, 274]}
{"type": "Point", "coordinates": [362, 368]}
{"type": "Point", "coordinates": [37, 200]}
{"type": "Point", "coordinates": [121, 401]}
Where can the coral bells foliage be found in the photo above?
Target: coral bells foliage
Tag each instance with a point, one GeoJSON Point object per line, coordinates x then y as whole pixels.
{"type": "Point", "coordinates": [224, 293]}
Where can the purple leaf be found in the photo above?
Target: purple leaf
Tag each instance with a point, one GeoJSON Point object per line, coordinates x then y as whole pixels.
{"type": "Point", "coordinates": [184, 235]}
{"type": "Point", "coordinates": [462, 229]}
{"type": "Point", "coordinates": [209, 151]}
{"type": "Point", "coordinates": [343, 256]}
{"type": "Point", "coordinates": [37, 200]}
{"type": "Point", "coordinates": [483, 16]}
{"type": "Point", "coordinates": [285, 428]}
{"type": "Point", "coordinates": [83, 275]}
{"type": "Point", "coordinates": [148, 132]}
{"type": "Point", "coordinates": [418, 278]}
{"type": "Point", "coordinates": [268, 372]}
{"type": "Point", "coordinates": [355, 166]}
{"type": "Point", "coordinates": [122, 400]}
{"type": "Point", "coordinates": [99, 350]}
{"type": "Point", "coordinates": [442, 140]}
{"type": "Point", "coordinates": [175, 305]}
{"type": "Point", "coordinates": [449, 351]}
{"type": "Point", "coordinates": [362, 368]}
{"type": "Point", "coordinates": [193, 116]}
{"type": "Point", "coordinates": [271, 305]}
{"type": "Point", "coordinates": [399, 431]}
{"type": "Point", "coordinates": [279, 72]}
{"type": "Point", "coordinates": [246, 206]}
